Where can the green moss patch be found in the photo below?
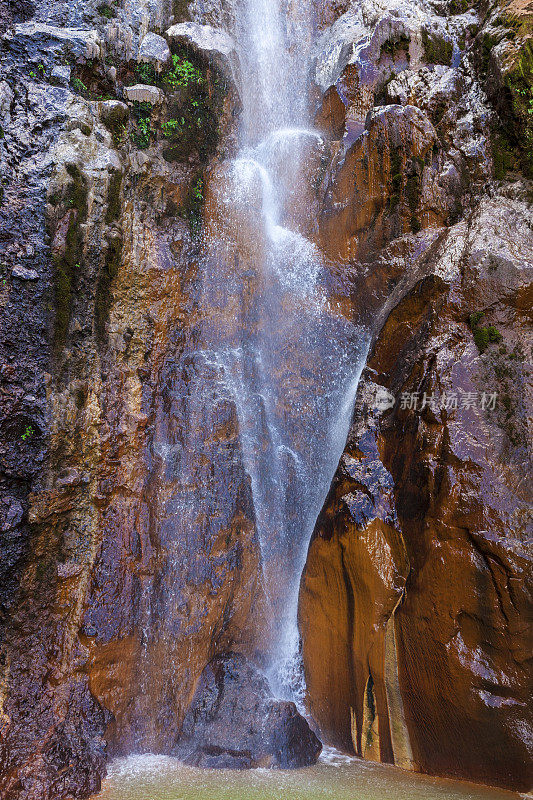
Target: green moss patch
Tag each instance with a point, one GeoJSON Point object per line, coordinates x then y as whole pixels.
{"type": "Point", "coordinates": [69, 264]}
{"type": "Point", "coordinates": [437, 49]}
{"type": "Point", "coordinates": [483, 335]}
{"type": "Point", "coordinates": [395, 46]}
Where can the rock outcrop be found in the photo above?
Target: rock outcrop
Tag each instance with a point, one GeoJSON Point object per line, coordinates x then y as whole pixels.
{"type": "Point", "coordinates": [233, 722]}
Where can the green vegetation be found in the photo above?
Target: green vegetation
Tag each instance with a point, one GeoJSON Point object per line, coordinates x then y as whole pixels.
{"type": "Point", "coordinates": [437, 49]}
{"type": "Point", "coordinates": [28, 433]}
{"type": "Point", "coordinates": [503, 156]}
{"type": "Point", "coordinates": [194, 109]}
{"type": "Point", "coordinates": [183, 73]}
{"type": "Point", "coordinates": [392, 47]}
{"type": "Point", "coordinates": [145, 73]}
{"type": "Point", "coordinates": [483, 336]}
{"type": "Point", "coordinates": [79, 86]}
{"type": "Point", "coordinates": [193, 205]}
{"type": "Point", "coordinates": [459, 6]}
{"type": "Point", "coordinates": [107, 11]}
{"type": "Point", "coordinates": [519, 82]}
{"type": "Point", "coordinates": [141, 135]}
{"type": "Point", "coordinates": [120, 135]}
{"type": "Point", "coordinates": [173, 128]}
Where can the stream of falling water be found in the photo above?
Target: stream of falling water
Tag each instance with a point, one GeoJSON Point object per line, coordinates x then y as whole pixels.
{"type": "Point", "coordinates": [283, 351]}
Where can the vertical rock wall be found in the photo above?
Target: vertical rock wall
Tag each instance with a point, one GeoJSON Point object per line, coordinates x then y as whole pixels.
{"type": "Point", "coordinates": [418, 578]}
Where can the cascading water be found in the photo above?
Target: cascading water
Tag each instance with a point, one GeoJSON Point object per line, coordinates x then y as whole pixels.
{"type": "Point", "coordinates": [284, 352]}
{"type": "Point", "coordinates": [269, 342]}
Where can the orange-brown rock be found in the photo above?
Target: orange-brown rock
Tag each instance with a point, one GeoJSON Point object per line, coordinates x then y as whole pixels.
{"type": "Point", "coordinates": [457, 673]}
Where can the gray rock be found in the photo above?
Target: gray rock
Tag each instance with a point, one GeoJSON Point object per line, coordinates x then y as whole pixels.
{"type": "Point", "coordinates": [35, 37]}
{"type": "Point", "coordinates": [6, 99]}
{"type": "Point", "coordinates": [60, 75]}
{"type": "Point", "coordinates": [24, 274]}
{"type": "Point", "coordinates": [79, 117]}
{"type": "Point", "coordinates": [142, 93]}
{"type": "Point", "coordinates": [12, 514]}
{"type": "Point", "coordinates": [113, 112]}
{"type": "Point", "coordinates": [234, 722]}
{"type": "Point", "coordinates": [154, 50]}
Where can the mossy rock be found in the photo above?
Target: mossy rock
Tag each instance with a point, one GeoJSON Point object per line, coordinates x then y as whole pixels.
{"type": "Point", "coordinates": [395, 45]}
{"type": "Point", "coordinates": [504, 156]}
{"type": "Point", "coordinates": [519, 83]}
{"type": "Point", "coordinates": [66, 266]}
{"type": "Point", "coordinates": [437, 49]}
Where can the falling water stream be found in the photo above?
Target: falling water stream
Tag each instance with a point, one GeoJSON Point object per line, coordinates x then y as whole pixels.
{"type": "Point", "coordinates": [287, 356]}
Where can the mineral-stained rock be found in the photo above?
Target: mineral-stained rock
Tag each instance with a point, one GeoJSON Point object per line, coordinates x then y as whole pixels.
{"type": "Point", "coordinates": [122, 574]}
{"type": "Point", "coordinates": [234, 722]}
{"type": "Point", "coordinates": [449, 584]}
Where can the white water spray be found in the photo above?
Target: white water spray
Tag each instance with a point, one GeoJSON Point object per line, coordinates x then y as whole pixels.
{"type": "Point", "coordinates": [281, 348]}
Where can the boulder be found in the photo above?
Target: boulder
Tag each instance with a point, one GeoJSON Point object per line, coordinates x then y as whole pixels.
{"type": "Point", "coordinates": [142, 93]}
{"type": "Point", "coordinates": [154, 50]}
{"type": "Point", "coordinates": [113, 112]}
{"type": "Point", "coordinates": [24, 274]}
{"type": "Point", "coordinates": [38, 38]}
{"type": "Point", "coordinates": [234, 722]}
{"type": "Point", "coordinates": [60, 75]}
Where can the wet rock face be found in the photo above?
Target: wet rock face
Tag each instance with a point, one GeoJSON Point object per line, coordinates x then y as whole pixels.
{"type": "Point", "coordinates": [109, 576]}
{"type": "Point", "coordinates": [426, 524]}
{"type": "Point", "coordinates": [233, 722]}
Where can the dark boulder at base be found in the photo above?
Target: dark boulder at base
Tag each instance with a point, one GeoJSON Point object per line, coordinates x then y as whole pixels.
{"type": "Point", "coordinates": [234, 722]}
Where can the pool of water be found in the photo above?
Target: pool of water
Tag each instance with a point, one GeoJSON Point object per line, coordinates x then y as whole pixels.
{"type": "Point", "coordinates": [335, 777]}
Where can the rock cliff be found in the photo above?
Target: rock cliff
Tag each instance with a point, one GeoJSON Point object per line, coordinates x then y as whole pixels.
{"type": "Point", "coordinates": [418, 578]}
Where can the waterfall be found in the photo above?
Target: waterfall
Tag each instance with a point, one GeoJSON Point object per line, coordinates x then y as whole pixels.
{"type": "Point", "coordinates": [272, 338]}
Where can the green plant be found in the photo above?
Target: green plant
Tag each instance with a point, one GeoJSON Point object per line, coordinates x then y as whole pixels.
{"type": "Point", "coordinates": [494, 334]}
{"type": "Point", "coordinates": [79, 86]}
{"type": "Point", "coordinates": [483, 336]}
{"type": "Point", "coordinates": [173, 128]}
{"type": "Point", "coordinates": [141, 136]}
{"type": "Point", "coordinates": [183, 73]}
{"type": "Point", "coordinates": [28, 433]}
{"type": "Point", "coordinates": [106, 11]}
{"type": "Point", "coordinates": [146, 73]}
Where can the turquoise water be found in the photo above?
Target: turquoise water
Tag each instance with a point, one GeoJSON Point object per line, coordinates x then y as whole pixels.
{"type": "Point", "coordinates": [335, 777]}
